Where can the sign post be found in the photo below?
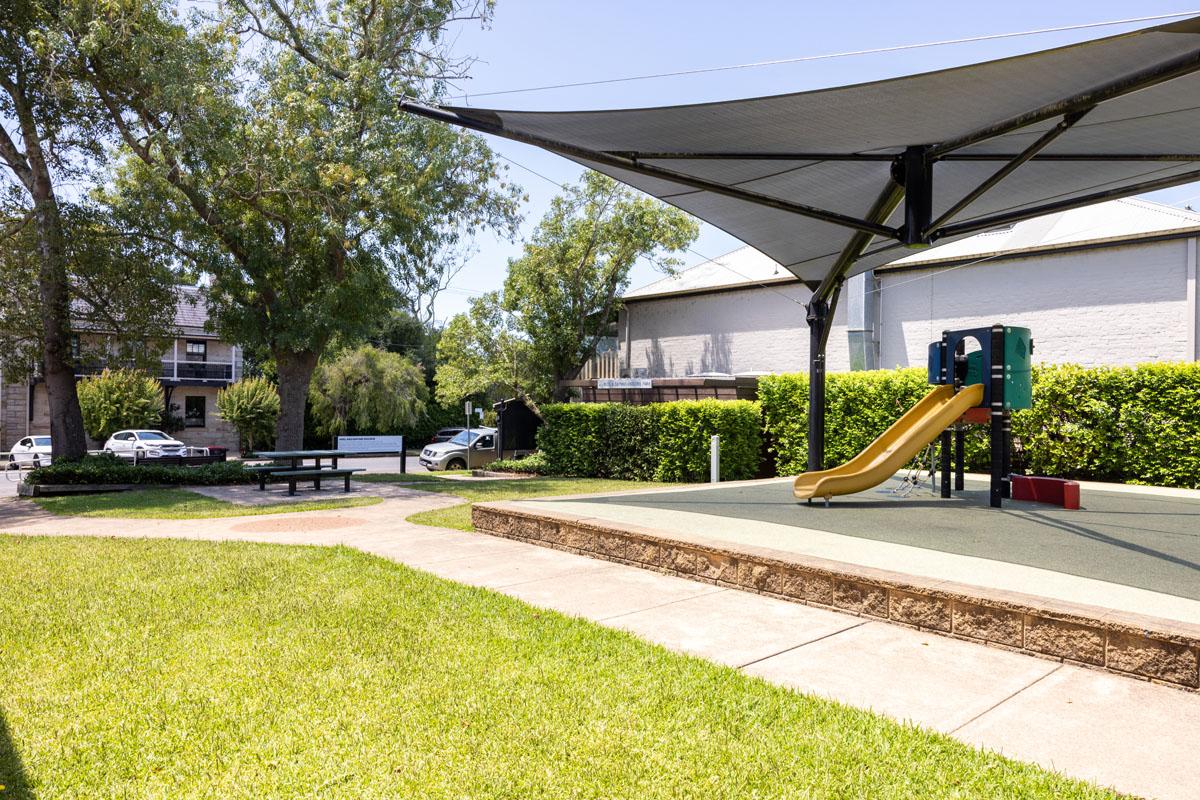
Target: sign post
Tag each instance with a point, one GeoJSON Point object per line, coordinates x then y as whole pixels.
{"type": "Point", "coordinates": [469, 407]}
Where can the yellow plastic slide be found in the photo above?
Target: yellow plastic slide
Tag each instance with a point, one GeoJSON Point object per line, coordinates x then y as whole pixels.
{"type": "Point", "coordinates": [923, 423]}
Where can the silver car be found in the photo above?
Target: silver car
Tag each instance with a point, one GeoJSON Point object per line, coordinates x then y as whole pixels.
{"type": "Point", "coordinates": [453, 454]}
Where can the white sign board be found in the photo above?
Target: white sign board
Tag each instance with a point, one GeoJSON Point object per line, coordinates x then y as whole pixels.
{"type": "Point", "coordinates": [624, 383]}
{"type": "Point", "coordinates": [371, 444]}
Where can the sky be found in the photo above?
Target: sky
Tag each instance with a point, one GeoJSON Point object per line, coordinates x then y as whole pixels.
{"type": "Point", "coordinates": [532, 43]}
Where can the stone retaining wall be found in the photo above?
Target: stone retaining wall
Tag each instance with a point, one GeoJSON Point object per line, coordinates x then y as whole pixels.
{"type": "Point", "coordinates": [1158, 650]}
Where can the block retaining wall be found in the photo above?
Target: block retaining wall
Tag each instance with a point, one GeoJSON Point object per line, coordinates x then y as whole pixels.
{"type": "Point", "coordinates": [1156, 650]}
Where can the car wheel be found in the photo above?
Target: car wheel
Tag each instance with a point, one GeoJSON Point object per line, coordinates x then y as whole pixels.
{"type": "Point", "coordinates": [456, 463]}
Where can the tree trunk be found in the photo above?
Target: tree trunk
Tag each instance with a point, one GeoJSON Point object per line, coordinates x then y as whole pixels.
{"type": "Point", "coordinates": [295, 373]}
{"type": "Point", "coordinates": [68, 440]}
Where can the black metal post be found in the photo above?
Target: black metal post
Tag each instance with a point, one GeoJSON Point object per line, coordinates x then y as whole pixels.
{"type": "Point", "coordinates": [1007, 469]}
{"type": "Point", "coordinates": [918, 195]}
{"type": "Point", "coordinates": [960, 436]}
{"type": "Point", "coordinates": [818, 320]}
{"type": "Point", "coordinates": [945, 448]}
{"type": "Point", "coordinates": [996, 400]}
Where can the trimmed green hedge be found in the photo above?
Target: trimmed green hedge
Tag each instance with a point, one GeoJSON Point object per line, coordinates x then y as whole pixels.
{"type": "Point", "coordinates": [111, 469]}
{"type": "Point", "coordinates": [534, 464]}
{"type": "Point", "coordinates": [661, 441]}
{"type": "Point", "coordinates": [1134, 424]}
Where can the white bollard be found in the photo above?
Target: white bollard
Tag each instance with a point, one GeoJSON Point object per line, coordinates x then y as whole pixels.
{"type": "Point", "coordinates": [714, 459]}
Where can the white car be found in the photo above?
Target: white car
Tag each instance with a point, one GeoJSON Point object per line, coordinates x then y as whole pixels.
{"type": "Point", "coordinates": [144, 444]}
{"type": "Point", "coordinates": [32, 450]}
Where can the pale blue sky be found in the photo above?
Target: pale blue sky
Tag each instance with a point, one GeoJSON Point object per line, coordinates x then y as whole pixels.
{"type": "Point", "coordinates": [538, 42]}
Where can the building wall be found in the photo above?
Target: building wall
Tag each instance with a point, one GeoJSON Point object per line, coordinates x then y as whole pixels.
{"type": "Point", "coordinates": [737, 332]}
{"type": "Point", "coordinates": [1105, 306]}
{"type": "Point", "coordinates": [216, 431]}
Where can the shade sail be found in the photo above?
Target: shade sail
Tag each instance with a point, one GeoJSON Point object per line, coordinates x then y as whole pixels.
{"type": "Point", "coordinates": [797, 176]}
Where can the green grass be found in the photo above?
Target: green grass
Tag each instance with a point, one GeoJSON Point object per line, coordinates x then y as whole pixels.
{"type": "Point", "coordinates": [459, 517]}
{"type": "Point", "coordinates": [176, 669]}
{"type": "Point", "coordinates": [179, 504]}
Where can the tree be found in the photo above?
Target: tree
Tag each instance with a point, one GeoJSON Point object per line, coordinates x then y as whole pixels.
{"type": "Point", "coordinates": [252, 407]}
{"type": "Point", "coordinates": [47, 132]}
{"type": "Point", "coordinates": [117, 399]}
{"type": "Point", "coordinates": [367, 389]}
{"type": "Point", "coordinates": [121, 289]}
{"type": "Point", "coordinates": [481, 354]}
{"type": "Point", "coordinates": [268, 142]}
{"type": "Point", "coordinates": [404, 333]}
{"type": "Point", "coordinates": [566, 286]}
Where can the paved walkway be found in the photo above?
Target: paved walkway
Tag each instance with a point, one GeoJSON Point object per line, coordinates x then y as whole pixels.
{"type": "Point", "coordinates": [1136, 737]}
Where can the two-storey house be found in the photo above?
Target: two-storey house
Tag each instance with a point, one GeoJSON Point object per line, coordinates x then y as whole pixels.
{"type": "Point", "coordinates": [195, 365]}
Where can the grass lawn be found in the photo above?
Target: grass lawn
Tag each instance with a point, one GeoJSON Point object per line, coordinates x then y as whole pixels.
{"type": "Point", "coordinates": [178, 504]}
{"type": "Point", "coordinates": [459, 517]}
{"type": "Point", "coordinates": [182, 669]}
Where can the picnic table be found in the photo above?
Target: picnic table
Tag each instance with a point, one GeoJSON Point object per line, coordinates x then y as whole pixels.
{"type": "Point", "coordinates": [297, 471]}
{"type": "Point", "coordinates": [297, 457]}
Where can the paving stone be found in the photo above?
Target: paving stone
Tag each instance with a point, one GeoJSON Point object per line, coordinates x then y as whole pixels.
{"type": "Point", "coordinates": [931, 680]}
{"type": "Point", "coordinates": [1131, 735]}
{"type": "Point", "coordinates": [733, 627]}
{"type": "Point", "coordinates": [608, 592]}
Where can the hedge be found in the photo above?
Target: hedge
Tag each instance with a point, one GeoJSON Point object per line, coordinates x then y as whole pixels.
{"type": "Point", "coordinates": [1133, 424]}
{"type": "Point", "coordinates": [660, 441]}
{"type": "Point", "coordinates": [111, 469]}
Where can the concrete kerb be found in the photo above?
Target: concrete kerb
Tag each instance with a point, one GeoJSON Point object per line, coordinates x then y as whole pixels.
{"type": "Point", "coordinates": [1158, 650]}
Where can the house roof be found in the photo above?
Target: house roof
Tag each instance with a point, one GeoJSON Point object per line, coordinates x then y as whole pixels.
{"type": "Point", "coordinates": [191, 312]}
{"type": "Point", "coordinates": [1123, 221]}
{"type": "Point", "coordinates": [812, 178]}
{"type": "Point", "coordinates": [743, 267]}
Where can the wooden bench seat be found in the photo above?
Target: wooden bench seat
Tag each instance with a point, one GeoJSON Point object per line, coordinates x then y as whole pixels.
{"type": "Point", "coordinates": [291, 476]}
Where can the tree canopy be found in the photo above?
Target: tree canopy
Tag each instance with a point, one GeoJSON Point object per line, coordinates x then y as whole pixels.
{"type": "Point", "coordinates": [565, 288]}
{"type": "Point", "coordinates": [367, 390]}
{"type": "Point", "coordinates": [266, 142]}
{"type": "Point", "coordinates": [482, 354]}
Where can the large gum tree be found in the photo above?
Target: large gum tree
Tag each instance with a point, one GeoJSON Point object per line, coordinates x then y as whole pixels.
{"type": "Point", "coordinates": [262, 138]}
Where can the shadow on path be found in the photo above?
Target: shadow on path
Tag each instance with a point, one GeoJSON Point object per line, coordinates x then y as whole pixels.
{"type": "Point", "coordinates": [12, 771]}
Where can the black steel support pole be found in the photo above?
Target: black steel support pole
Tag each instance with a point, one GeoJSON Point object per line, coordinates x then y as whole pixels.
{"type": "Point", "coordinates": [945, 448]}
{"type": "Point", "coordinates": [1007, 453]}
{"type": "Point", "coordinates": [818, 320]}
{"type": "Point", "coordinates": [996, 407]}
{"type": "Point", "coordinates": [918, 195]}
{"type": "Point", "coordinates": [960, 436]}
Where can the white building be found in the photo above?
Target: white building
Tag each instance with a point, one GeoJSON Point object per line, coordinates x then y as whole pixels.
{"type": "Point", "coordinates": [1109, 284]}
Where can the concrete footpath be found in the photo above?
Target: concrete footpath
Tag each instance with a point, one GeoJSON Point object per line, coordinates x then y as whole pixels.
{"type": "Point", "coordinates": [1137, 737]}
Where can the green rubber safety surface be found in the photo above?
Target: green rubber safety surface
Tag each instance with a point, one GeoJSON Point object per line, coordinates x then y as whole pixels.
{"type": "Point", "coordinates": [1148, 542]}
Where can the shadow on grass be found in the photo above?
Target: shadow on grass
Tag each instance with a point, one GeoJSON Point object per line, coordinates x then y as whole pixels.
{"type": "Point", "coordinates": [12, 771]}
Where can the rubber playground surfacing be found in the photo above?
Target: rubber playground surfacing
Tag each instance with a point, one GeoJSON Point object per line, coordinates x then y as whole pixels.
{"type": "Point", "coordinates": [1144, 541]}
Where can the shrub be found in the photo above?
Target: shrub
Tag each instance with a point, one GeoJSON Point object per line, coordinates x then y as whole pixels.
{"type": "Point", "coordinates": [534, 463]}
{"type": "Point", "coordinates": [252, 407]}
{"type": "Point", "coordinates": [1136, 424]}
{"type": "Point", "coordinates": [111, 469]}
{"type": "Point", "coordinates": [117, 399]}
{"type": "Point", "coordinates": [661, 441]}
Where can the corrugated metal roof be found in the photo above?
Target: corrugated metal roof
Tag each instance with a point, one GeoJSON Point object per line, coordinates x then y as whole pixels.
{"type": "Point", "coordinates": [1117, 221]}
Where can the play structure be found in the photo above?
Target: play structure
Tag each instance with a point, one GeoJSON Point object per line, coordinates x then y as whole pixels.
{"type": "Point", "coordinates": [994, 379]}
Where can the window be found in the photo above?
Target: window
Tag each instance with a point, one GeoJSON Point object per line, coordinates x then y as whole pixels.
{"type": "Point", "coordinates": [196, 350]}
{"type": "Point", "coordinates": [74, 346]}
{"type": "Point", "coordinates": [193, 412]}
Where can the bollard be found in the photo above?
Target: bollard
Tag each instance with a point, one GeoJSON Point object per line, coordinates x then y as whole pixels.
{"type": "Point", "coordinates": [714, 459]}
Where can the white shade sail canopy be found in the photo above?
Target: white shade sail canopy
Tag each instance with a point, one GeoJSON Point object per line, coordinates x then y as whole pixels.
{"type": "Point", "coordinates": [816, 180]}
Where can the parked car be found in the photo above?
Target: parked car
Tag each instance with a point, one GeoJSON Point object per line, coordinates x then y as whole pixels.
{"type": "Point", "coordinates": [33, 450]}
{"type": "Point", "coordinates": [453, 454]}
{"type": "Point", "coordinates": [144, 444]}
{"type": "Point", "coordinates": [445, 435]}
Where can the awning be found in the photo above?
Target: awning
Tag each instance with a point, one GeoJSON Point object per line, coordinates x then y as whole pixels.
{"type": "Point", "coordinates": [815, 179]}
